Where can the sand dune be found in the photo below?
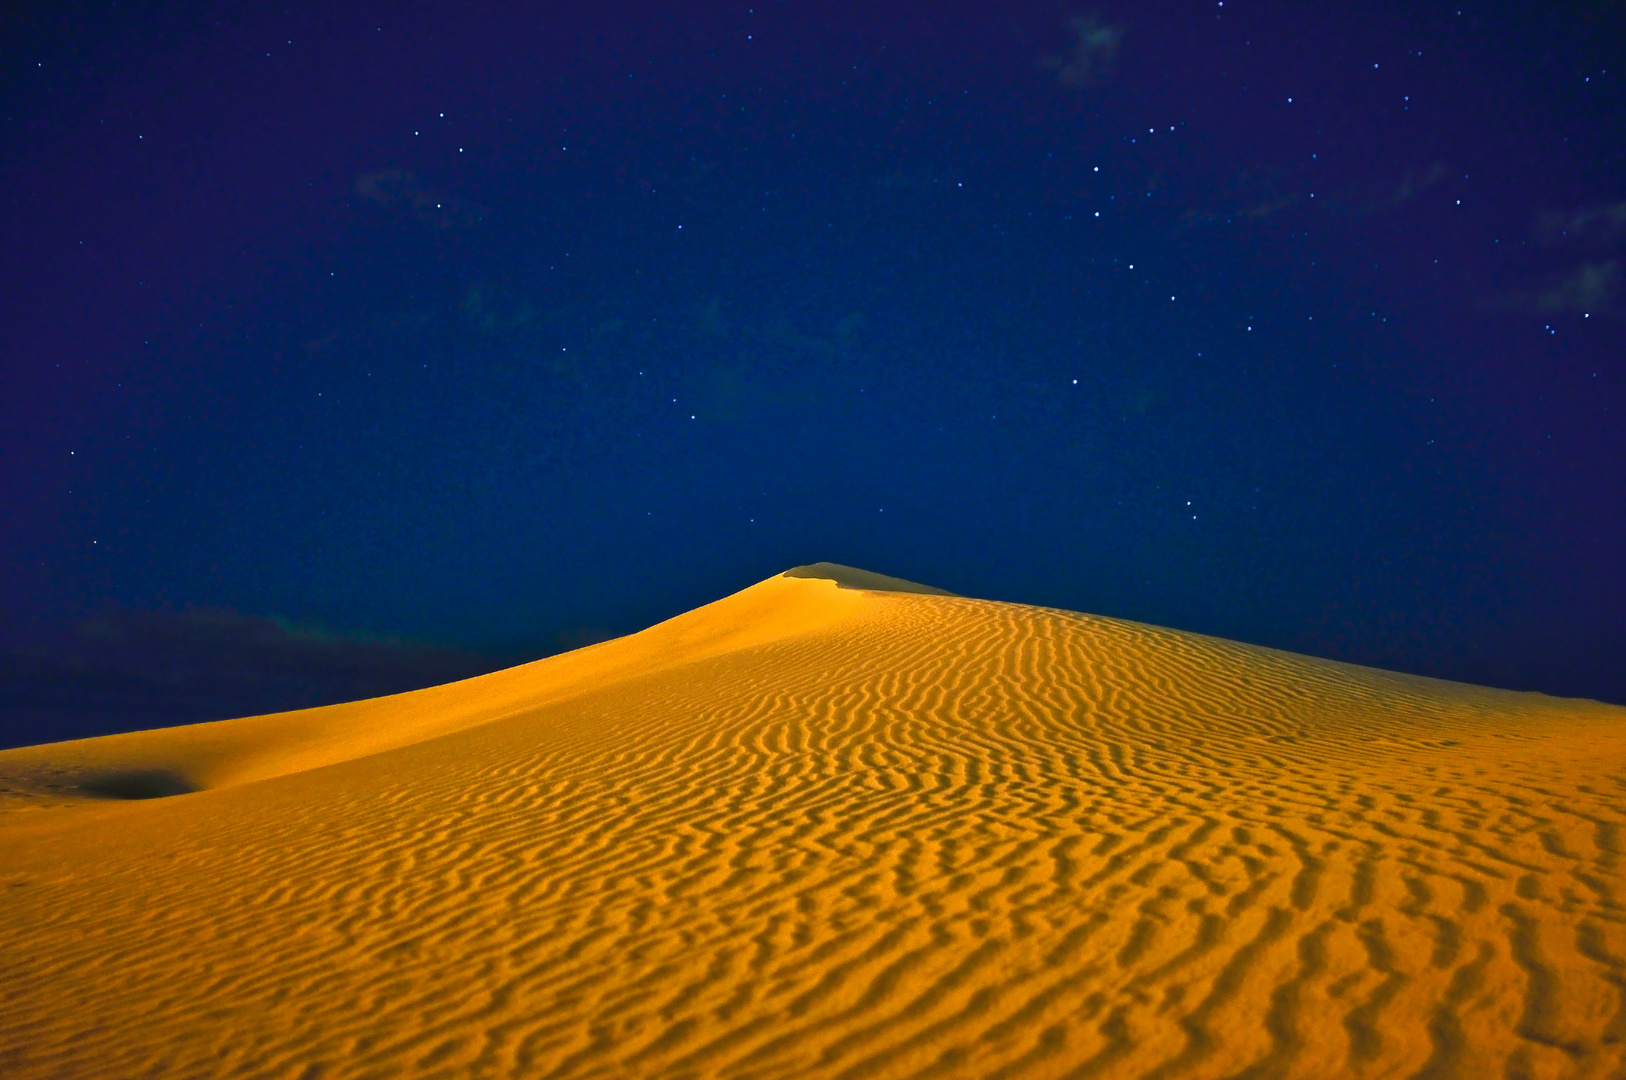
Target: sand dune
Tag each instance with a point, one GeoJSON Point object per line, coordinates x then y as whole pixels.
{"type": "Point", "coordinates": [834, 826]}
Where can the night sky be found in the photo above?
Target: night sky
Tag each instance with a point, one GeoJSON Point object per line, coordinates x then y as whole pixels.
{"type": "Point", "coordinates": [346, 348]}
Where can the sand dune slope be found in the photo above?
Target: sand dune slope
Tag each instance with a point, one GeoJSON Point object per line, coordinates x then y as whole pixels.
{"type": "Point", "coordinates": [825, 830]}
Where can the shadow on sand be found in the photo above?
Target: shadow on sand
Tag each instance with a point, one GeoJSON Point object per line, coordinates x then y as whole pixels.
{"type": "Point", "coordinates": [136, 784]}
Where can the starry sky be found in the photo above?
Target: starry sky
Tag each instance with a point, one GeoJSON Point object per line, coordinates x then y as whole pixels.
{"type": "Point", "coordinates": [353, 347]}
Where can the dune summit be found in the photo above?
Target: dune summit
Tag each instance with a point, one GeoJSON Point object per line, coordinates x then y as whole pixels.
{"type": "Point", "coordinates": [834, 825]}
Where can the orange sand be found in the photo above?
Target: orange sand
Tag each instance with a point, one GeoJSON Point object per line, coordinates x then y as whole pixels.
{"type": "Point", "coordinates": [813, 830]}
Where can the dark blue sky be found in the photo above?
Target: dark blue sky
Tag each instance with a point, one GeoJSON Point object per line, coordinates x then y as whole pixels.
{"type": "Point", "coordinates": [498, 328]}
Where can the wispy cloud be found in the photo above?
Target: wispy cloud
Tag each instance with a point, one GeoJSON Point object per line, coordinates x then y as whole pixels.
{"type": "Point", "coordinates": [1090, 58]}
{"type": "Point", "coordinates": [1415, 182]}
{"type": "Point", "coordinates": [1260, 194]}
{"type": "Point", "coordinates": [1584, 250]}
{"type": "Point", "coordinates": [401, 191]}
{"type": "Point", "coordinates": [1602, 225]}
{"type": "Point", "coordinates": [1593, 287]}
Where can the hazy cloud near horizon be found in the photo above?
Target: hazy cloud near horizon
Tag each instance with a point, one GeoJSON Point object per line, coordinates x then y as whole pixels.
{"type": "Point", "coordinates": [130, 670]}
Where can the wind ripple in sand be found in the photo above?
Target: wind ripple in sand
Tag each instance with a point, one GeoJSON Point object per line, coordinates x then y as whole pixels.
{"type": "Point", "coordinates": [929, 837]}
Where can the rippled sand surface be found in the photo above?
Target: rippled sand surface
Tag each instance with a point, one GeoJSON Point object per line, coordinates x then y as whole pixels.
{"type": "Point", "coordinates": [824, 831]}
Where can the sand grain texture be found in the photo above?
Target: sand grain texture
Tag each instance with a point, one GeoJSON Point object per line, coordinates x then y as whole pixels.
{"type": "Point", "coordinates": [825, 831]}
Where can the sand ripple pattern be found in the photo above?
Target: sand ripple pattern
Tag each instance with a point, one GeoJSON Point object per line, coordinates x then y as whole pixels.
{"type": "Point", "coordinates": [943, 838]}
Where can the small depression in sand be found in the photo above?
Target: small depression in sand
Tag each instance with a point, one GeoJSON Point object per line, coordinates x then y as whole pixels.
{"type": "Point", "coordinates": [136, 784]}
{"type": "Point", "coordinates": [834, 825]}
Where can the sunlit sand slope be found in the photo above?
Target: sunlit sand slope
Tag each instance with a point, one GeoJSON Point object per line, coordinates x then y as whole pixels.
{"type": "Point", "coordinates": [814, 830]}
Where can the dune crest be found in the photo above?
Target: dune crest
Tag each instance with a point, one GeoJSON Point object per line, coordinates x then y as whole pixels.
{"type": "Point", "coordinates": [850, 577]}
{"type": "Point", "coordinates": [834, 825]}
